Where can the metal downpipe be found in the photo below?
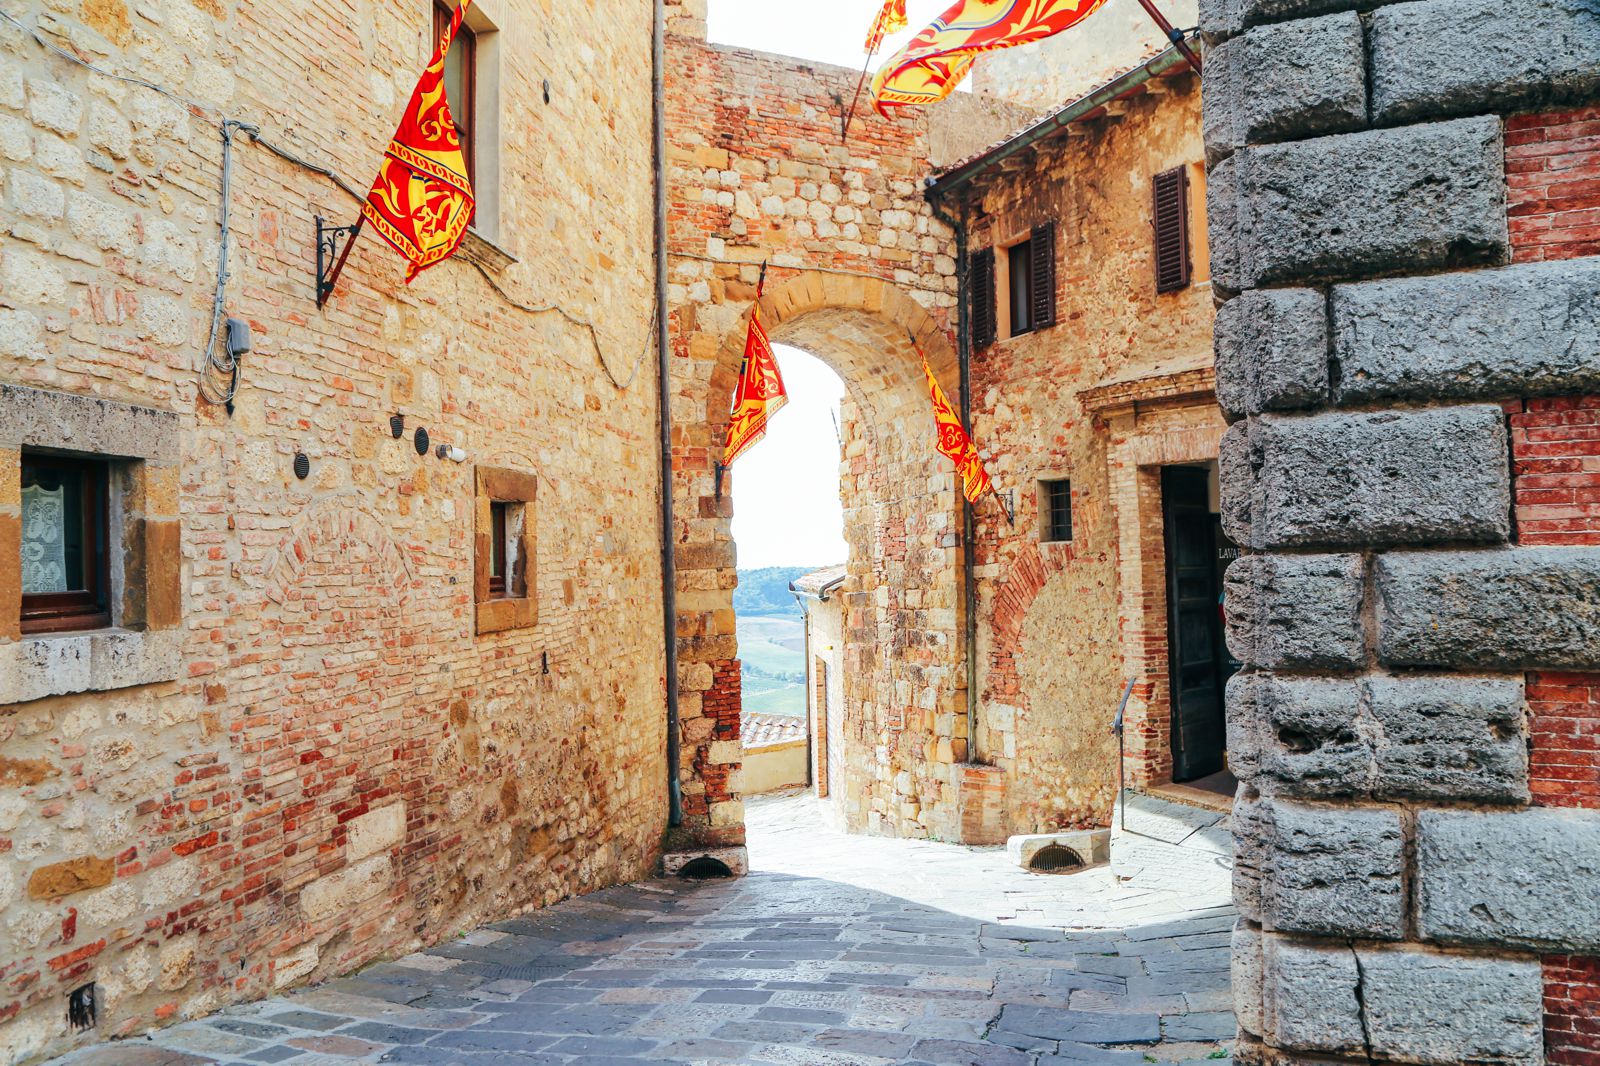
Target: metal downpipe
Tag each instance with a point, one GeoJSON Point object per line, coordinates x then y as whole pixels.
{"type": "Point", "coordinates": [669, 566]}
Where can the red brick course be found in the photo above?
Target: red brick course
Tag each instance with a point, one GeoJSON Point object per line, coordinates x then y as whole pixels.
{"type": "Point", "coordinates": [1555, 448]}
{"type": "Point", "coordinates": [1553, 184]}
{"type": "Point", "coordinates": [1572, 1010]}
{"type": "Point", "coordinates": [1564, 709]}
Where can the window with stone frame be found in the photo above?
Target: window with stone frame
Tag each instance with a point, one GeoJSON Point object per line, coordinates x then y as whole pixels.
{"type": "Point", "coordinates": [66, 522]}
{"type": "Point", "coordinates": [90, 584]}
{"type": "Point", "coordinates": [504, 588]}
{"type": "Point", "coordinates": [1055, 510]}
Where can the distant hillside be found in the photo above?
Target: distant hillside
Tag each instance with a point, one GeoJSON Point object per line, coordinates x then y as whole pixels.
{"type": "Point", "coordinates": [766, 591]}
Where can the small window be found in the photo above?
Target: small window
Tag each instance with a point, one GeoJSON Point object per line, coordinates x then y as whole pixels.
{"type": "Point", "coordinates": [65, 532]}
{"type": "Point", "coordinates": [460, 83]}
{"type": "Point", "coordinates": [1019, 269]}
{"type": "Point", "coordinates": [1171, 225]}
{"type": "Point", "coordinates": [503, 567]}
{"type": "Point", "coordinates": [1055, 510]}
{"type": "Point", "coordinates": [506, 574]}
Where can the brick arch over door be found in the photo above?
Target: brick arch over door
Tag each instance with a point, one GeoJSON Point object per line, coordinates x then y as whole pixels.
{"type": "Point", "coordinates": [904, 674]}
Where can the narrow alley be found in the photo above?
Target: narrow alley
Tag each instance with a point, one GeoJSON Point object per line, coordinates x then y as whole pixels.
{"type": "Point", "coordinates": [835, 949]}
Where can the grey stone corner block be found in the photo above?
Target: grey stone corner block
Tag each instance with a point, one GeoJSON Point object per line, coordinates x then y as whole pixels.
{"type": "Point", "coordinates": [1329, 871]}
{"type": "Point", "coordinates": [1523, 330]}
{"type": "Point", "coordinates": [1247, 963]}
{"type": "Point", "coordinates": [1453, 57]}
{"type": "Point", "coordinates": [1405, 1004]}
{"type": "Point", "coordinates": [35, 417]}
{"type": "Point", "coordinates": [1296, 611]}
{"type": "Point", "coordinates": [1357, 204]}
{"type": "Point", "coordinates": [1379, 479]}
{"type": "Point", "coordinates": [1272, 351]}
{"type": "Point", "coordinates": [1384, 737]}
{"type": "Point", "coordinates": [1528, 878]}
{"type": "Point", "coordinates": [1521, 608]}
{"type": "Point", "coordinates": [1441, 1010]}
{"type": "Point", "coordinates": [1310, 997]}
{"type": "Point", "coordinates": [1273, 83]}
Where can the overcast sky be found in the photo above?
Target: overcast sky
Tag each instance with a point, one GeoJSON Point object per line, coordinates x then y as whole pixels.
{"type": "Point", "coordinates": [786, 489]}
{"type": "Point", "coordinates": [827, 31]}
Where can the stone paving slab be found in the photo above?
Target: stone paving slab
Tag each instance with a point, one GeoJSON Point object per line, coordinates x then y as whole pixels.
{"type": "Point", "coordinates": [835, 951]}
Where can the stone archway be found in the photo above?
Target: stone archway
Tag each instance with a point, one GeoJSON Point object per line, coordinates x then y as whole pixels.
{"type": "Point", "coordinates": [904, 681]}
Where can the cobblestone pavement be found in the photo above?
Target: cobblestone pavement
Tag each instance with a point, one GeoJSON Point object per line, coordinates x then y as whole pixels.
{"type": "Point", "coordinates": [836, 950]}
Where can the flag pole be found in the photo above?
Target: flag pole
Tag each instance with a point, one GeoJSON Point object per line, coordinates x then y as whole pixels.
{"type": "Point", "coordinates": [844, 132]}
{"type": "Point", "coordinates": [1173, 35]}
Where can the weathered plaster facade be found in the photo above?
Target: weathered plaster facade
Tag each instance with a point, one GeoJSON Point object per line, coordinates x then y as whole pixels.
{"type": "Point", "coordinates": [294, 753]}
{"type": "Point", "coordinates": [1117, 389]}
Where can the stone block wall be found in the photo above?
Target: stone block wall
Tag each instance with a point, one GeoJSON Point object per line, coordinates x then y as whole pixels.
{"type": "Point", "coordinates": [1409, 368]}
{"type": "Point", "coordinates": [296, 754]}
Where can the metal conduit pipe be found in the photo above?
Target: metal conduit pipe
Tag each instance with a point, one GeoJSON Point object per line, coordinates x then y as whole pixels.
{"type": "Point", "coordinates": [669, 565]}
{"type": "Point", "coordinates": [969, 584]}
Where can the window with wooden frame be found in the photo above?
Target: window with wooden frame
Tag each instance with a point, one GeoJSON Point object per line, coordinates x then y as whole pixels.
{"type": "Point", "coordinates": [66, 533]}
{"type": "Point", "coordinates": [1055, 510]}
{"type": "Point", "coordinates": [503, 564]}
{"type": "Point", "coordinates": [1170, 221]}
{"type": "Point", "coordinates": [460, 82]}
{"type": "Point", "coordinates": [1030, 287]}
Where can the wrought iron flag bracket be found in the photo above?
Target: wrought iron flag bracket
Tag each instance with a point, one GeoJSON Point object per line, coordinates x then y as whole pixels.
{"type": "Point", "coordinates": [330, 260]}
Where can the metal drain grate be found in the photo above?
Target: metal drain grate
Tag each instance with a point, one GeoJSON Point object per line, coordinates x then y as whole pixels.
{"type": "Point", "coordinates": [1056, 859]}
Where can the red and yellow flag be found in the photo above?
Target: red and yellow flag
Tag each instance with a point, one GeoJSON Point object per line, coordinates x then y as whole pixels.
{"type": "Point", "coordinates": [760, 392]}
{"type": "Point", "coordinates": [954, 443]}
{"type": "Point", "coordinates": [929, 68]}
{"type": "Point", "coordinates": [891, 19]}
{"type": "Point", "coordinates": [421, 201]}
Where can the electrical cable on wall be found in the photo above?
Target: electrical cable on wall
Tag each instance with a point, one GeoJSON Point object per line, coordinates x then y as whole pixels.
{"type": "Point", "coordinates": [226, 364]}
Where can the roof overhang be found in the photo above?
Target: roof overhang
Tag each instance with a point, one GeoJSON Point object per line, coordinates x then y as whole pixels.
{"type": "Point", "coordinates": [1089, 106]}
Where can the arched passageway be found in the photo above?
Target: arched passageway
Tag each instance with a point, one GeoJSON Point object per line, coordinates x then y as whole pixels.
{"type": "Point", "coordinates": [904, 725]}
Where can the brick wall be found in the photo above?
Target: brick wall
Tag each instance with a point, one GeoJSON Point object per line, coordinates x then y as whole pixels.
{"type": "Point", "coordinates": [1061, 625]}
{"type": "Point", "coordinates": [1564, 733]}
{"type": "Point", "coordinates": [1553, 184]}
{"type": "Point", "coordinates": [1572, 1010]}
{"type": "Point", "coordinates": [758, 174]}
{"type": "Point", "coordinates": [1555, 445]}
{"type": "Point", "coordinates": [340, 766]}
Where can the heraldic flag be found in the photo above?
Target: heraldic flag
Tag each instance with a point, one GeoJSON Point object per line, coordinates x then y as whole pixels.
{"type": "Point", "coordinates": [954, 443]}
{"type": "Point", "coordinates": [891, 19]}
{"type": "Point", "coordinates": [760, 392]}
{"type": "Point", "coordinates": [929, 68]}
{"type": "Point", "coordinates": [422, 201]}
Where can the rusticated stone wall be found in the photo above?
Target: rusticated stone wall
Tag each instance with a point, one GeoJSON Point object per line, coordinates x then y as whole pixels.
{"type": "Point", "coordinates": [1415, 885]}
{"type": "Point", "coordinates": [294, 754]}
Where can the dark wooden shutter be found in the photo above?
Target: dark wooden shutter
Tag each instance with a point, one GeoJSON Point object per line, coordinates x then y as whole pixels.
{"type": "Point", "coordinates": [980, 287]}
{"type": "Point", "coordinates": [1172, 229]}
{"type": "Point", "coordinates": [1042, 248]}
